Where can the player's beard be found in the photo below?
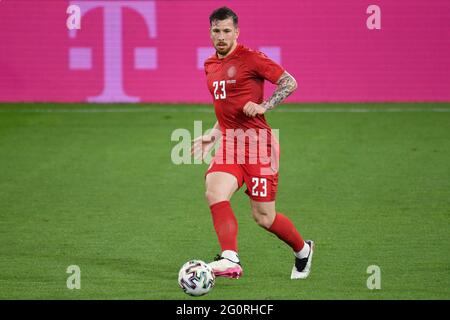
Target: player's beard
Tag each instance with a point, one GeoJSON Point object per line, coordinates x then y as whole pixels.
{"type": "Point", "coordinates": [224, 50]}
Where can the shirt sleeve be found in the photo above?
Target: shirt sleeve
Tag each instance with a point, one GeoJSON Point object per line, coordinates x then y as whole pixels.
{"type": "Point", "coordinates": [264, 67]}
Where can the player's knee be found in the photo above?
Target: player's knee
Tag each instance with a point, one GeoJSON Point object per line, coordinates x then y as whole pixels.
{"type": "Point", "coordinates": [263, 219]}
{"type": "Point", "coordinates": [213, 196]}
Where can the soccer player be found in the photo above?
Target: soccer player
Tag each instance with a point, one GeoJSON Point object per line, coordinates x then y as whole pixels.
{"type": "Point", "coordinates": [235, 77]}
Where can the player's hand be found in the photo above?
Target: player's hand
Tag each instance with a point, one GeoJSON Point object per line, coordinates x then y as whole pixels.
{"type": "Point", "coordinates": [202, 145]}
{"type": "Point", "coordinates": [251, 109]}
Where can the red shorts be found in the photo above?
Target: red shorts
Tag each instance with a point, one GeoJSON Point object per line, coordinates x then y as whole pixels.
{"type": "Point", "coordinates": [261, 179]}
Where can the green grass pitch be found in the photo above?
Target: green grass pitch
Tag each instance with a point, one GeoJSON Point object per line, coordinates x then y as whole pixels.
{"type": "Point", "coordinates": [94, 186]}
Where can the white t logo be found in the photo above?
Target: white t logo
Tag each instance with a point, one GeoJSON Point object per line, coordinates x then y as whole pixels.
{"type": "Point", "coordinates": [80, 58]}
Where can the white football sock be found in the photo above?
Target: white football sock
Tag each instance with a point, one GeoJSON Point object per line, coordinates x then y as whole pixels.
{"type": "Point", "coordinates": [231, 255]}
{"type": "Point", "coordinates": [304, 252]}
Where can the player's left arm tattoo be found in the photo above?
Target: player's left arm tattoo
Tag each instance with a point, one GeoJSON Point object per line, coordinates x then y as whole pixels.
{"type": "Point", "coordinates": [286, 85]}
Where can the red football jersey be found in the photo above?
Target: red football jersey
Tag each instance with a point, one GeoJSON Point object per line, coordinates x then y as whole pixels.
{"type": "Point", "coordinates": [237, 79]}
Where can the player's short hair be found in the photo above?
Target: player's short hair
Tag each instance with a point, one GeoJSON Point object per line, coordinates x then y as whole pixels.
{"type": "Point", "coordinates": [223, 13]}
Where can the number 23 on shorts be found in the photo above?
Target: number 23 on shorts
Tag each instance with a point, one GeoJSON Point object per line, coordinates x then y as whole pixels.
{"type": "Point", "coordinates": [259, 187]}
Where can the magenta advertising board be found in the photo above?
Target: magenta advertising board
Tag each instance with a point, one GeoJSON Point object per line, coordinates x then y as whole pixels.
{"type": "Point", "coordinates": [153, 50]}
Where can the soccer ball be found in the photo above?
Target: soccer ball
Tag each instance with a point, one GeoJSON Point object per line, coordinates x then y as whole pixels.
{"type": "Point", "coordinates": [196, 278]}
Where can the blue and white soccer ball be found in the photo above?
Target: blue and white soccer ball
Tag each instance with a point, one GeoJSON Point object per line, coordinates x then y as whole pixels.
{"type": "Point", "coordinates": [196, 278]}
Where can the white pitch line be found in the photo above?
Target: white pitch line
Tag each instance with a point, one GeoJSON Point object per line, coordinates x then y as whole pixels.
{"type": "Point", "coordinates": [211, 110]}
{"type": "Point", "coordinates": [99, 110]}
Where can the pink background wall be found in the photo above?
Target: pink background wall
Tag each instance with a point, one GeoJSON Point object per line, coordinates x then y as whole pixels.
{"type": "Point", "coordinates": [152, 51]}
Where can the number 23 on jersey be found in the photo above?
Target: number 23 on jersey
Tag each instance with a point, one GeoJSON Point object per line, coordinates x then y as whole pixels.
{"type": "Point", "coordinates": [219, 90]}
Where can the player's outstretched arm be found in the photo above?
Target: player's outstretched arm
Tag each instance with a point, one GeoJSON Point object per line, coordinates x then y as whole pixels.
{"type": "Point", "coordinates": [286, 84]}
{"type": "Point", "coordinates": [202, 145]}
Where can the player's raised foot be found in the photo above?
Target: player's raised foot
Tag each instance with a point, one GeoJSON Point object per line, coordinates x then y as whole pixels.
{"type": "Point", "coordinates": [223, 267]}
{"type": "Point", "coordinates": [302, 267]}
